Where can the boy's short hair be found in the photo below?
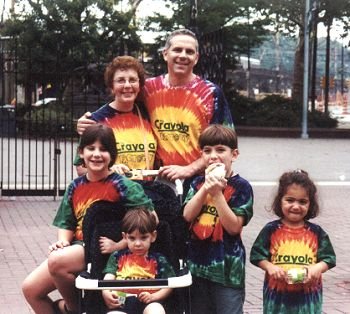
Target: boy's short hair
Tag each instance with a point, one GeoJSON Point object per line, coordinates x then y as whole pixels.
{"type": "Point", "coordinates": [140, 219]}
{"type": "Point", "coordinates": [217, 134]}
{"type": "Point", "coordinates": [102, 133]}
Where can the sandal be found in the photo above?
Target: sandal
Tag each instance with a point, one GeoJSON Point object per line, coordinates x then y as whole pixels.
{"type": "Point", "coordinates": [60, 307]}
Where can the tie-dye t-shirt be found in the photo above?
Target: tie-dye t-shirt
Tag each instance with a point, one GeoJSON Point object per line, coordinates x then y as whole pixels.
{"type": "Point", "coordinates": [82, 193]}
{"type": "Point", "coordinates": [179, 114]}
{"type": "Point", "coordinates": [127, 266]}
{"type": "Point", "coordinates": [131, 136]}
{"type": "Point", "coordinates": [213, 253]}
{"type": "Point", "coordinates": [292, 248]}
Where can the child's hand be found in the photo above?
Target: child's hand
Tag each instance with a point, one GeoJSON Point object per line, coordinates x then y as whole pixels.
{"type": "Point", "coordinates": [111, 299]}
{"type": "Point", "coordinates": [145, 297]}
{"type": "Point", "coordinates": [276, 272]}
{"type": "Point", "coordinates": [214, 185]}
{"type": "Point", "coordinates": [60, 244]}
{"type": "Point", "coordinates": [314, 273]}
{"type": "Point", "coordinates": [107, 246]}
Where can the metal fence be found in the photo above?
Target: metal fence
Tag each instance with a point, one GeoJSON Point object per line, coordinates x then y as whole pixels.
{"type": "Point", "coordinates": [37, 120]}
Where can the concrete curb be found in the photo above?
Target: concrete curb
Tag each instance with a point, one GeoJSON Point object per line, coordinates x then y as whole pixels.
{"type": "Point", "coordinates": [291, 132]}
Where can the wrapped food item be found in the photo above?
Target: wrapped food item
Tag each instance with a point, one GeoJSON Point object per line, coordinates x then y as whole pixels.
{"type": "Point", "coordinates": [216, 169]}
{"type": "Point", "coordinates": [296, 275]}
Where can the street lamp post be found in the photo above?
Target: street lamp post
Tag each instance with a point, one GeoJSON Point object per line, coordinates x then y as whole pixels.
{"type": "Point", "coordinates": [307, 21]}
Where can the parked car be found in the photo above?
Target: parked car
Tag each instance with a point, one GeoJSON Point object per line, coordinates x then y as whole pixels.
{"type": "Point", "coordinates": [43, 101]}
{"type": "Point", "coordinates": [8, 108]}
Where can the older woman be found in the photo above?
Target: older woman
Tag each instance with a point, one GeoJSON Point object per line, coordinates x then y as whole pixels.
{"type": "Point", "coordinates": [136, 144]}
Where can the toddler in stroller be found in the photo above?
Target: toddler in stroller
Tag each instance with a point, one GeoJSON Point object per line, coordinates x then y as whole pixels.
{"type": "Point", "coordinates": [136, 262]}
{"type": "Point", "coordinates": [104, 219]}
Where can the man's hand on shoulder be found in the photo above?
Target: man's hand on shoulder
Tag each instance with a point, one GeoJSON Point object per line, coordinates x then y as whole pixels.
{"type": "Point", "coordinates": [173, 172]}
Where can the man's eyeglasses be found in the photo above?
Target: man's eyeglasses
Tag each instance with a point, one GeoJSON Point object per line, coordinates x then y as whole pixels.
{"type": "Point", "coordinates": [123, 81]}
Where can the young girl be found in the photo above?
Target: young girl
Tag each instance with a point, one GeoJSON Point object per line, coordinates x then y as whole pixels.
{"type": "Point", "coordinates": [66, 256]}
{"type": "Point", "coordinates": [293, 251]}
{"type": "Point", "coordinates": [136, 262]}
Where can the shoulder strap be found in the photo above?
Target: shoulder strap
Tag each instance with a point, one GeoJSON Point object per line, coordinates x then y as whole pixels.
{"type": "Point", "coordinates": [144, 137]}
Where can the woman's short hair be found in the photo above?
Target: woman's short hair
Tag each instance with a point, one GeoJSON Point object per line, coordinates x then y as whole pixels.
{"type": "Point", "coordinates": [124, 63]}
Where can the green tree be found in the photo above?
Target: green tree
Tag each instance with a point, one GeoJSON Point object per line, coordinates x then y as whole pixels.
{"type": "Point", "coordinates": [242, 30]}
{"type": "Point", "coordinates": [62, 35]}
{"type": "Point", "coordinates": [335, 10]}
{"type": "Point", "coordinates": [289, 17]}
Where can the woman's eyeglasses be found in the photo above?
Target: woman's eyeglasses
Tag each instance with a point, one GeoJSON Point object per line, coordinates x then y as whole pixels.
{"type": "Point", "coordinates": [123, 81]}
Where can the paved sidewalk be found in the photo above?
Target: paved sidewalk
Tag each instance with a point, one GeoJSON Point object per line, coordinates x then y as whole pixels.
{"type": "Point", "coordinates": [26, 231]}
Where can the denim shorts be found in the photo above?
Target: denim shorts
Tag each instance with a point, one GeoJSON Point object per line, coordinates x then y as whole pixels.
{"type": "Point", "coordinates": [208, 297]}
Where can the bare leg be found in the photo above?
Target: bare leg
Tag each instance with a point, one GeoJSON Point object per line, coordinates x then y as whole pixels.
{"type": "Point", "coordinates": [154, 308]}
{"type": "Point", "coordinates": [64, 265]}
{"type": "Point", "coordinates": [36, 288]}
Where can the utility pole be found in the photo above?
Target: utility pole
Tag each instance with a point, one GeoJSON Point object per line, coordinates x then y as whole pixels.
{"type": "Point", "coordinates": [248, 64]}
{"type": "Point", "coordinates": [307, 21]}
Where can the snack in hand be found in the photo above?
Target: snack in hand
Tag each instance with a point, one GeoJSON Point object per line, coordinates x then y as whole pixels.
{"type": "Point", "coordinates": [217, 169]}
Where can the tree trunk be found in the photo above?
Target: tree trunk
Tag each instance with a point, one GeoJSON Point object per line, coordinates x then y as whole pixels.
{"type": "Point", "coordinates": [297, 89]}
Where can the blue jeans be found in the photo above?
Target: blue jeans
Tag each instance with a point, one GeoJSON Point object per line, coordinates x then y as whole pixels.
{"type": "Point", "coordinates": [208, 297]}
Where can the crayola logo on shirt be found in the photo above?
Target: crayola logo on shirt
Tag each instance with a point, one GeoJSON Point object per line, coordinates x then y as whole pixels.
{"type": "Point", "coordinates": [121, 147]}
{"type": "Point", "coordinates": [162, 126]}
{"type": "Point", "coordinates": [292, 259]}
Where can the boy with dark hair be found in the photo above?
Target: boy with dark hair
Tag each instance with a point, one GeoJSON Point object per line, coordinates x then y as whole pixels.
{"type": "Point", "coordinates": [217, 206]}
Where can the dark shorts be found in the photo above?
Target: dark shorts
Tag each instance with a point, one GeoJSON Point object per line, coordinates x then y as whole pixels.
{"type": "Point", "coordinates": [209, 297]}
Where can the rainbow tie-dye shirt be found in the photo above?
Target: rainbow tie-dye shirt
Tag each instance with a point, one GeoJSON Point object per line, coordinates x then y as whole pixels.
{"type": "Point", "coordinates": [292, 248]}
{"type": "Point", "coordinates": [82, 193]}
{"type": "Point", "coordinates": [213, 253]}
{"type": "Point", "coordinates": [180, 113]}
{"type": "Point", "coordinates": [127, 266]}
{"type": "Point", "coordinates": [131, 136]}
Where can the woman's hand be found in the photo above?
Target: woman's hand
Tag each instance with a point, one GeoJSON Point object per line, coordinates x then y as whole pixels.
{"type": "Point", "coordinates": [83, 122]}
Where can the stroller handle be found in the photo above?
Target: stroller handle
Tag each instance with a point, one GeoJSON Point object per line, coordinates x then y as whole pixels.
{"type": "Point", "coordinates": [139, 174]}
{"type": "Point", "coordinates": [84, 283]}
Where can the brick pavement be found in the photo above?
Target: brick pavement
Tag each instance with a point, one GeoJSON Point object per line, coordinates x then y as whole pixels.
{"type": "Point", "coordinates": [26, 231]}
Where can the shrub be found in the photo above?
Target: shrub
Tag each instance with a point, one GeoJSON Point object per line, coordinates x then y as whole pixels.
{"type": "Point", "coordinates": [48, 121]}
{"type": "Point", "coordinates": [275, 111]}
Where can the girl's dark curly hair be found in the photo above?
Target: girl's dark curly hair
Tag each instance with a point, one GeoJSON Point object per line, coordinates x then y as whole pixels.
{"type": "Point", "coordinates": [298, 177]}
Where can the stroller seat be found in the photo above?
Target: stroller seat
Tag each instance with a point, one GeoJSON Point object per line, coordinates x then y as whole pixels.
{"type": "Point", "coordinates": [103, 218]}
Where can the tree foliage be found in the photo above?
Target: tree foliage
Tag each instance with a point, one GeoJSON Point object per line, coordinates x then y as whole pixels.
{"type": "Point", "coordinates": [66, 34]}
{"type": "Point", "coordinates": [242, 30]}
{"type": "Point", "coordinates": [288, 16]}
{"type": "Point", "coordinates": [63, 34]}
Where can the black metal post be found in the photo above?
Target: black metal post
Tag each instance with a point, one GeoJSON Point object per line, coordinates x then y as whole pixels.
{"type": "Point", "coordinates": [193, 16]}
